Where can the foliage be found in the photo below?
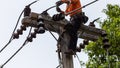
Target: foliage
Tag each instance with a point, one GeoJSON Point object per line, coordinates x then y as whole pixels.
{"type": "Point", "coordinates": [98, 57]}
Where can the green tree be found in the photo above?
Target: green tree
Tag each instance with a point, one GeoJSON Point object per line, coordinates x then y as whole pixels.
{"type": "Point", "coordinates": [97, 54]}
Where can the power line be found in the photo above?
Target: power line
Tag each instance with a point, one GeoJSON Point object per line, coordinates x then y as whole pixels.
{"type": "Point", "coordinates": [59, 56]}
{"type": "Point", "coordinates": [79, 60]}
{"type": "Point", "coordinates": [11, 38]}
{"type": "Point", "coordinates": [25, 42]}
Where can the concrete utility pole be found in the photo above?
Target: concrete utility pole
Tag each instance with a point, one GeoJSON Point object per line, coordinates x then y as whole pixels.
{"type": "Point", "coordinates": [67, 60]}
{"type": "Point", "coordinates": [85, 32]}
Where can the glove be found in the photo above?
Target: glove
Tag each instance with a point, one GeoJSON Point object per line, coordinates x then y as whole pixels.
{"type": "Point", "coordinates": [58, 9]}
{"type": "Point", "coordinates": [59, 3]}
{"type": "Point", "coordinates": [58, 17]}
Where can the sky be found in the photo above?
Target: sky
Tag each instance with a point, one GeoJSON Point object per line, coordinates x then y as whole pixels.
{"type": "Point", "coordinates": [41, 53]}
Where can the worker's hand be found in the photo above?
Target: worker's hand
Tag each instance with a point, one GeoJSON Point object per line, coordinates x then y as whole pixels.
{"type": "Point", "coordinates": [58, 9]}
{"type": "Point", "coordinates": [58, 17]}
{"type": "Point", "coordinates": [58, 3]}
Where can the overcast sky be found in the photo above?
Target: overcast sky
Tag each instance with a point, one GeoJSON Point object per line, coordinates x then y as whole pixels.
{"type": "Point", "coordinates": [41, 52]}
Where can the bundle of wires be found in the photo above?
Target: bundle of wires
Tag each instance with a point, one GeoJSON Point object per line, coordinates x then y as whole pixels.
{"type": "Point", "coordinates": [11, 38]}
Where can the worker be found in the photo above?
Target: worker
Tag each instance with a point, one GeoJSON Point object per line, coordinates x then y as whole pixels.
{"type": "Point", "coordinates": [76, 19]}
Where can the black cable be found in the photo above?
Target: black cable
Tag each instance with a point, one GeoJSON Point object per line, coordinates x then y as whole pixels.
{"type": "Point", "coordinates": [33, 2]}
{"type": "Point", "coordinates": [25, 42]}
{"type": "Point", "coordinates": [50, 24]}
{"type": "Point", "coordinates": [50, 8]}
{"type": "Point", "coordinates": [59, 56]}
{"type": "Point", "coordinates": [52, 34]}
{"type": "Point", "coordinates": [60, 60]}
{"type": "Point", "coordinates": [45, 12]}
{"type": "Point", "coordinates": [57, 47]}
{"type": "Point", "coordinates": [96, 19]}
{"type": "Point", "coordinates": [11, 38]}
{"type": "Point", "coordinates": [79, 60]}
{"type": "Point", "coordinates": [56, 31]}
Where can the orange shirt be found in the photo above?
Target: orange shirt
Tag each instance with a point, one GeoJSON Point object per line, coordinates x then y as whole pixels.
{"type": "Point", "coordinates": [72, 6]}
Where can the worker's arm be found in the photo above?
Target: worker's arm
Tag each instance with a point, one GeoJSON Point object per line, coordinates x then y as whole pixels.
{"type": "Point", "coordinates": [58, 3]}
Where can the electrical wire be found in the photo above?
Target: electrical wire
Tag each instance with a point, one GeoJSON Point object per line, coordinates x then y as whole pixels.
{"type": "Point", "coordinates": [56, 31]}
{"type": "Point", "coordinates": [59, 56]}
{"type": "Point", "coordinates": [52, 25]}
{"type": "Point", "coordinates": [11, 38]}
{"type": "Point", "coordinates": [60, 60]}
{"type": "Point", "coordinates": [79, 60]}
{"type": "Point", "coordinates": [52, 34]}
{"type": "Point", "coordinates": [33, 2]}
{"type": "Point", "coordinates": [66, 14]}
{"type": "Point", "coordinates": [50, 8]}
{"type": "Point", "coordinates": [25, 42]}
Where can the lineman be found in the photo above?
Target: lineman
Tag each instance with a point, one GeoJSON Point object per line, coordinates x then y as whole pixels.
{"type": "Point", "coordinates": [76, 18]}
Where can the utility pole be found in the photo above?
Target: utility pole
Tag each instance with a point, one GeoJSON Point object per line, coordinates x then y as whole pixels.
{"type": "Point", "coordinates": [67, 60]}
{"type": "Point", "coordinates": [85, 32]}
{"type": "Point", "coordinates": [44, 22]}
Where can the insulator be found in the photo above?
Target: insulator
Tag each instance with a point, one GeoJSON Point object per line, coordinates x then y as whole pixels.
{"type": "Point", "coordinates": [27, 11]}
{"type": "Point", "coordinates": [19, 31]}
{"type": "Point", "coordinates": [85, 41]}
{"type": "Point", "coordinates": [41, 30]}
{"type": "Point", "coordinates": [29, 39]}
{"type": "Point", "coordinates": [103, 34]}
{"type": "Point", "coordinates": [15, 36]}
{"type": "Point", "coordinates": [41, 24]}
{"type": "Point", "coordinates": [82, 46]}
{"type": "Point", "coordinates": [92, 24]}
{"type": "Point", "coordinates": [106, 45]}
{"type": "Point", "coordinates": [23, 27]}
{"type": "Point", "coordinates": [78, 49]}
{"type": "Point", "coordinates": [33, 35]}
